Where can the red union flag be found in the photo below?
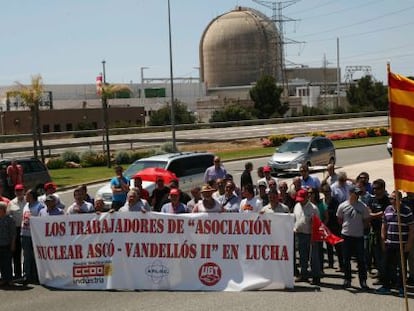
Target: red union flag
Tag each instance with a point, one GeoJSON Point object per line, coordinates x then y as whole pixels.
{"type": "Point", "coordinates": [99, 85]}
{"type": "Point", "coordinates": [401, 101]}
{"type": "Point", "coordinates": [320, 232]}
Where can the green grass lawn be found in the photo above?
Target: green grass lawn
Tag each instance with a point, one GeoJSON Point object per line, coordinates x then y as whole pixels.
{"type": "Point", "coordinates": [75, 176]}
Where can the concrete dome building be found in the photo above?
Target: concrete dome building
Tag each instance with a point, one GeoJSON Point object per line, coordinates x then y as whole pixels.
{"type": "Point", "coordinates": [238, 47]}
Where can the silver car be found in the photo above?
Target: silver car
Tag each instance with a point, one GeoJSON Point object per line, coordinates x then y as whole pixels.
{"type": "Point", "coordinates": [303, 150]}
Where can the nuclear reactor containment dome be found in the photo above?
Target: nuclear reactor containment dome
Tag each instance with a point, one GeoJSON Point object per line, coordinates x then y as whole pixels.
{"type": "Point", "coordinates": [239, 47]}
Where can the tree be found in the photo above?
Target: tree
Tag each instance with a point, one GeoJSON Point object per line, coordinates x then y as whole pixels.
{"type": "Point", "coordinates": [32, 96]}
{"type": "Point", "coordinates": [163, 115]}
{"type": "Point", "coordinates": [232, 113]}
{"type": "Point", "coordinates": [367, 95]}
{"type": "Point", "coordinates": [266, 97]}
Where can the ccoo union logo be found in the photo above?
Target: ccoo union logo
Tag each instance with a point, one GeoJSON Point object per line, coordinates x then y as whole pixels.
{"type": "Point", "coordinates": [209, 274]}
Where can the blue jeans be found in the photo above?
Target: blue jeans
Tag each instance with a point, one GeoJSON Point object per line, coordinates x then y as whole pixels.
{"type": "Point", "coordinates": [351, 245]}
{"type": "Point", "coordinates": [308, 250]}
{"type": "Point", "coordinates": [29, 263]}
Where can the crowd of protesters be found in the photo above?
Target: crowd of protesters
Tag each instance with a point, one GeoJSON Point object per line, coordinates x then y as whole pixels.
{"type": "Point", "coordinates": [362, 213]}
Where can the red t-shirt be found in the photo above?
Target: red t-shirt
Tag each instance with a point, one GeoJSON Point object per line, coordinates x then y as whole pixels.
{"type": "Point", "coordinates": [15, 173]}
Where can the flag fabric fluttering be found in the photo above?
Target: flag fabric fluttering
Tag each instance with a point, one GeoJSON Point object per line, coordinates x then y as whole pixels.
{"type": "Point", "coordinates": [401, 102]}
{"type": "Point", "coordinates": [320, 232]}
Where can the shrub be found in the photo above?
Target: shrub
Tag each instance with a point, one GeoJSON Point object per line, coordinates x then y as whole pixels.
{"type": "Point", "coordinates": [359, 133]}
{"type": "Point", "coordinates": [167, 148]}
{"type": "Point", "coordinates": [277, 140]}
{"type": "Point", "coordinates": [55, 163]}
{"type": "Point", "coordinates": [70, 156]}
{"type": "Point", "coordinates": [135, 155]}
{"type": "Point", "coordinates": [335, 136]}
{"type": "Point", "coordinates": [372, 132]}
{"type": "Point", "coordinates": [314, 134]}
{"type": "Point", "coordinates": [122, 157]}
{"type": "Point", "coordinates": [384, 131]}
{"type": "Point", "coordinates": [92, 158]}
{"type": "Point", "coordinates": [266, 142]}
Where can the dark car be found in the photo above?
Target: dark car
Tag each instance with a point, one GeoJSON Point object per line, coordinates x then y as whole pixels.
{"type": "Point", "coordinates": [35, 174]}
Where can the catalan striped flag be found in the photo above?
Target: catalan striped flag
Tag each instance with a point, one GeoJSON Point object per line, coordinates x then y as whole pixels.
{"type": "Point", "coordinates": [401, 100]}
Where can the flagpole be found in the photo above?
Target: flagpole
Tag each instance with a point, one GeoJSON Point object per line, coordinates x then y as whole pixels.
{"type": "Point", "coordinates": [403, 259]}
{"type": "Point", "coordinates": [398, 205]}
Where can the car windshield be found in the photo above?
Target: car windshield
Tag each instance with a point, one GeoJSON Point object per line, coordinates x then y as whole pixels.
{"type": "Point", "coordinates": [293, 146]}
{"type": "Point", "coordinates": [140, 165]}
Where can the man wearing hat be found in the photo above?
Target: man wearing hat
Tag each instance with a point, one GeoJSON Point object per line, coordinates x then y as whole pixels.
{"type": "Point", "coordinates": [51, 188]}
{"type": "Point", "coordinates": [267, 170]}
{"type": "Point", "coordinates": [174, 206]}
{"type": "Point", "coordinates": [15, 210]}
{"type": "Point", "coordinates": [208, 204]}
{"type": "Point", "coordinates": [354, 216]}
{"type": "Point", "coordinates": [262, 193]}
{"type": "Point", "coordinates": [304, 210]}
{"type": "Point", "coordinates": [51, 207]}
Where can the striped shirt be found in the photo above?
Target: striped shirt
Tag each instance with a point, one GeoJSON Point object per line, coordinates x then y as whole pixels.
{"type": "Point", "coordinates": [391, 222]}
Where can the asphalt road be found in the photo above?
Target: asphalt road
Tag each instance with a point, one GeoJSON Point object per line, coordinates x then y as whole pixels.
{"type": "Point", "coordinates": [330, 296]}
{"type": "Point", "coordinates": [218, 134]}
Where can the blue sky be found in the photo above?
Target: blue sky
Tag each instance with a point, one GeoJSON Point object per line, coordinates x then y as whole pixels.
{"type": "Point", "coordinates": [65, 41]}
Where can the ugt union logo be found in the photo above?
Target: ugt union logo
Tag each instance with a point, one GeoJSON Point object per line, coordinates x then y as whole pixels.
{"type": "Point", "coordinates": [209, 274]}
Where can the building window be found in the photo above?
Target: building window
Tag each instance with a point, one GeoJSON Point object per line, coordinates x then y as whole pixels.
{"type": "Point", "coordinates": [56, 128]}
{"type": "Point", "coordinates": [95, 125]}
{"type": "Point", "coordinates": [69, 127]}
{"type": "Point", "coordinates": [46, 128]}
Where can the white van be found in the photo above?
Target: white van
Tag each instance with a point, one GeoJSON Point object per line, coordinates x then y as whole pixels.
{"type": "Point", "coordinates": [189, 167]}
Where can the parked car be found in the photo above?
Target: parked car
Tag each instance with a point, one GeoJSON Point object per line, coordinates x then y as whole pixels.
{"type": "Point", "coordinates": [35, 174]}
{"type": "Point", "coordinates": [189, 167]}
{"type": "Point", "coordinates": [303, 150]}
{"type": "Point", "coordinates": [389, 146]}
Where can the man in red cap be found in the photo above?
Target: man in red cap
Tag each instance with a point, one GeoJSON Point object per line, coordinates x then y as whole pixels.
{"type": "Point", "coordinates": [174, 206]}
{"type": "Point", "coordinates": [267, 170]}
{"type": "Point", "coordinates": [303, 212]}
{"type": "Point", "coordinates": [50, 188]}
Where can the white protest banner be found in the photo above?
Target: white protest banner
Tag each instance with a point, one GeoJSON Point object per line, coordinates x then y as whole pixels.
{"type": "Point", "coordinates": [153, 251]}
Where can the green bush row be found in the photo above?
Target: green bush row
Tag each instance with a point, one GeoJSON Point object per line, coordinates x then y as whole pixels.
{"type": "Point", "coordinates": [277, 140]}
{"type": "Point", "coordinates": [91, 158]}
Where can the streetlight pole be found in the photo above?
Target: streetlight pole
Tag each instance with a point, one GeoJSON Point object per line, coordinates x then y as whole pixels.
{"type": "Point", "coordinates": [142, 94]}
{"type": "Point", "coordinates": [174, 145]}
{"type": "Point", "coordinates": [105, 116]}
